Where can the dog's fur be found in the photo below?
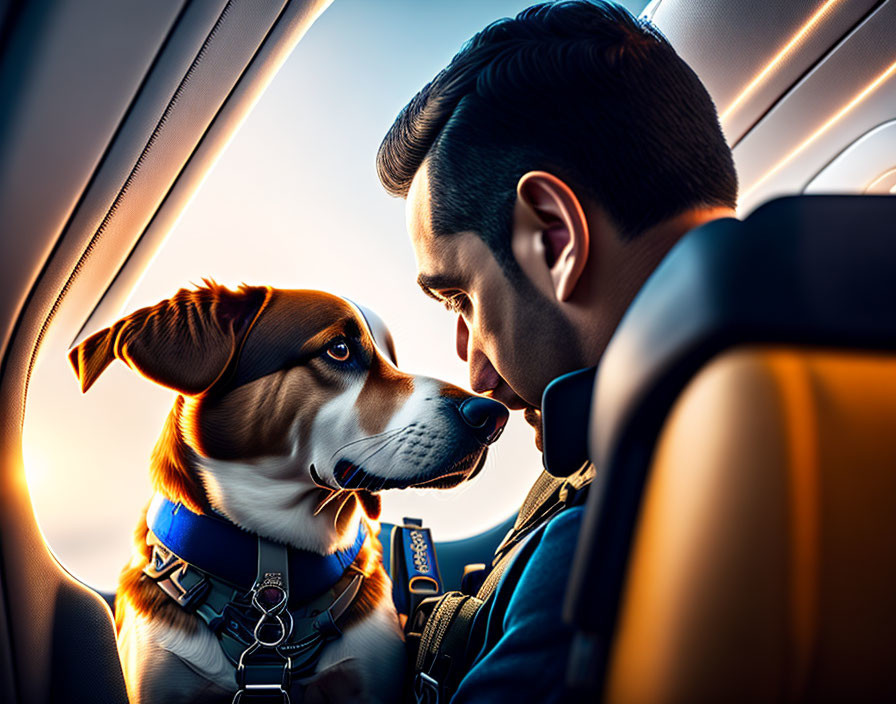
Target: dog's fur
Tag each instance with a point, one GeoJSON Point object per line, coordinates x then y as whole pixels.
{"type": "Point", "coordinates": [263, 397]}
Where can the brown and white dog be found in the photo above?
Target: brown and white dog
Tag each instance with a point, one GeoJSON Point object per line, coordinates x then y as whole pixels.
{"type": "Point", "coordinates": [288, 420]}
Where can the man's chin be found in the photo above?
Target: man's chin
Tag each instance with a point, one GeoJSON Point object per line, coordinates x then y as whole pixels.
{"type": "Point", "coordinates": [533, 418]}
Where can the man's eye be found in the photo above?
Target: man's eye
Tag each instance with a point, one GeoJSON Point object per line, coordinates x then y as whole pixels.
{"type": "Point", "coordinates": [339, 350]}
{"type": "Point", "coordinates": [456, 302]}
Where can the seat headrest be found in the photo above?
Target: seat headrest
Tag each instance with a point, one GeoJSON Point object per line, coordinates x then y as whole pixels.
{"type": "Point", "coordinates": [805, 270]}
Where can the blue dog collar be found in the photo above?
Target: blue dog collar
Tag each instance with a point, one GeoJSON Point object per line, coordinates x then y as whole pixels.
{"type": "Point", "coordinates": [224, 550]}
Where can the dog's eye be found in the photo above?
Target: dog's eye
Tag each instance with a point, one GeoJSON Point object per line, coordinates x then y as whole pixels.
{"type": "Point", "coordinates": [339, 350]}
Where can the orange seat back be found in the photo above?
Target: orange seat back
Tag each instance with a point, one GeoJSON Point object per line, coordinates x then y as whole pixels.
{"type": "Point", "coordinates": [763, 566]}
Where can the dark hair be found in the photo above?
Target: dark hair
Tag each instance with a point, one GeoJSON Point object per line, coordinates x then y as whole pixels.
{"type": "Point", "coordinates": [579, 88]}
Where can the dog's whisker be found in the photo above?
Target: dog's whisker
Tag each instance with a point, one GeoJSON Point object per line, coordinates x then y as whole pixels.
{"type": "Point", "coordinates": [377, 446]}
{"type": "Point", "coordinates": [328, 500]}
{"type": "Point", "coordinates": [366, 483]}
{"type": "Point", "coordinates": [384, 434]}
{"type": "Point", "coordinates": [371, 454]}
{"type": "Point", "coordinates": [379, 449]}
{"type": "Point", "coordinates": [349, 495]}
{"type": "Point", "coordinates": [359, 465]}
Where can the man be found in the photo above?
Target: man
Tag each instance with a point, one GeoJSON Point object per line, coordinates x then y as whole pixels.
{"type": "Point", "coordinates": [547, 171]}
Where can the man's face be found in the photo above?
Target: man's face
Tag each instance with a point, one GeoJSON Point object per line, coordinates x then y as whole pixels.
{"type": "Point", "coordinates": [511, 332]}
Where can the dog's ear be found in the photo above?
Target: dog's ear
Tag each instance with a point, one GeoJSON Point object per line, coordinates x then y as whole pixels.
{"type": "Point", "coordinates": [184, 343]}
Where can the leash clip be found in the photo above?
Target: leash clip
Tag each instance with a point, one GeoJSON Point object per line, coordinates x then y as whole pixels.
{"type": "Point", "coordinates": [270, 597]}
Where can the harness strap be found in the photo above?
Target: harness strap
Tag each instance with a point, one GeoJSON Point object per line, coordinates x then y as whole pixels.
{"type": "Point", "coordinates": [448, 633]}
{"type": "Point", "coordinates": [547, 497]}
{"type": "Point", "coordinates": [540, 495]}
{"type": "Point", "coordinates": [326, 621]}
{"type": "Point", "coordinates": [258, 674]}
{"type": "Point", "coordinates": [273, 566]}
{"type": "Point", "coordinates": [440, 658]}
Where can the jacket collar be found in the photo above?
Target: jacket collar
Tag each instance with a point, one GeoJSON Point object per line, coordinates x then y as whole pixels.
{"type": "Point", "coordinates": [565, 421]}
{"type": "Point", "coordinates": [224, 550]}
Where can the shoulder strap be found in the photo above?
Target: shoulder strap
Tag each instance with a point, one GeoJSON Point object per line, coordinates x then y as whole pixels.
{"type": "Point", "coordinates": [440, 662]}
{"type": "Point", "coordinates": [449, 631]}
{"type": "Point", "coordinates": [541, 494]}
{"type": "Point", "coordinates": [446, 626]}
{"type": "Point", "coordinates": [547, 497]}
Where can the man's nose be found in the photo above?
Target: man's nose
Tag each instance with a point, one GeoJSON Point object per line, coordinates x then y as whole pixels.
{"type": "Point", "coordinates": [485, 417]}
{"type": "Point", "coordinates": [483, 375]}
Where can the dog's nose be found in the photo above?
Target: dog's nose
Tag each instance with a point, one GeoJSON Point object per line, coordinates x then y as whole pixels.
{"type": "Point", "coordinates": [486, 417]}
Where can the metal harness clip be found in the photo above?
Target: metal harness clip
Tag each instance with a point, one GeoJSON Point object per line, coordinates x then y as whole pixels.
{"type": "Point", "coordinates": [426, 689]}
{"type": "Point", "coordinates": [173, 576]}
{"type": "Point", "coordinates": [269, 596]}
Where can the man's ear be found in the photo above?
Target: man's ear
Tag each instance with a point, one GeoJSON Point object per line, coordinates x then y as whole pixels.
{"type": "Point", "coordinates": [185, 343]}
{"type": "Point", "coordinates": [556, 219]}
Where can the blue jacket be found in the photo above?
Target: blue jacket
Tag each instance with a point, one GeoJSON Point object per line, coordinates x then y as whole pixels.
{"type": "Point", "coordinates": [527, 643]}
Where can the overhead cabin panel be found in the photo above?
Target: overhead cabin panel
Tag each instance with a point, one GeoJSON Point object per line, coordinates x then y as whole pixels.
{"type": "Point", "coordinates": [851, 92]}
{"type": "Point", "coordinates": [868, 165]}
{"type": "Point", "coordinates": [169, 119]}
{"type": "Point", "coordinates": [68, 74]}
{"type": "Point", "coordinates": [750, 53]}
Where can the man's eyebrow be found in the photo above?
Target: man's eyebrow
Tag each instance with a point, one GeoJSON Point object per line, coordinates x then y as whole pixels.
{"type": "Point", "coordinates": [433, 282]}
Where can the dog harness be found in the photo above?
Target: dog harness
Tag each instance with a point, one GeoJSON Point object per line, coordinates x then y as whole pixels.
{"type": "Point", "coordinates": [273, 608]}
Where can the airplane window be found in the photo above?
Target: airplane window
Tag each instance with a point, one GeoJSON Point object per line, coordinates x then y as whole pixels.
{"type": "Point", "coordinates": [294, 202]}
